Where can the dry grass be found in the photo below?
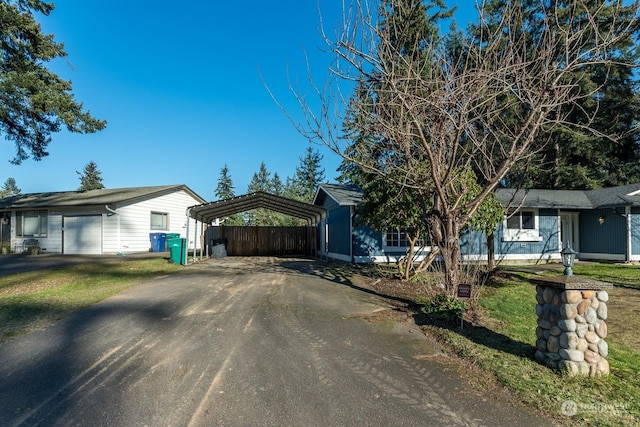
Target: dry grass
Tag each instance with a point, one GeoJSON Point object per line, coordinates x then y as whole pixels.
{"type": "Point", "coordinates": [624, 316]}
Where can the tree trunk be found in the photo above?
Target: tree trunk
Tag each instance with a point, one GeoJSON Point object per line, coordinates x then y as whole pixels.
{"type": "Point", "coordinates": [406, 265]}
{"type": "Point", "coordinates": [452, 257]}
{"type": "Point", "coordinates": [491, 253]}
{"type": "Point", "coordinates": [446, 234]}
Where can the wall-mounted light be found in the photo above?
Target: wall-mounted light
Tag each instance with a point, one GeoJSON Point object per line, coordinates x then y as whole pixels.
{"type": "Point", "coordinates": [601, 220]}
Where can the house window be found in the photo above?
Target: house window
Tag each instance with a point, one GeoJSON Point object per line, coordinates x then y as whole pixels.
{"type": "Point", "coordinates": [159, 221]}
{"type": "Point", "coordinates": [398, 239]}
{"type": "Point", "coordinates": [522, 226]}
{"type": "Point", "coordinates": [31, 224]}
{"type": "Point", "coordinates": [523, 220]}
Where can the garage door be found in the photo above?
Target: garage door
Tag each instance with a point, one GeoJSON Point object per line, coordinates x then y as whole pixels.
{"type": "Point", "coordinates": [82, 235]}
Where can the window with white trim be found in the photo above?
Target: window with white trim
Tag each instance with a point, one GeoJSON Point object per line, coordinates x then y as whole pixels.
{"type": "Point", "coordinates": [522, 226]}
{"type": "Point", "coordinates": [159, 221]}
{"type": "Point", "coordinates": [398, 239]}
{"type": "Point", "coordinates": [31, 223]}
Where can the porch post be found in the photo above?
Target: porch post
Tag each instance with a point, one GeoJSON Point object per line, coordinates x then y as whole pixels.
{"type": "Point", "coordinates": [629, 247]}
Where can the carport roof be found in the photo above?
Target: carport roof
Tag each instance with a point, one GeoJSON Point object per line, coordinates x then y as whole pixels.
{"type": "Point", "coordinates": [208, 212]}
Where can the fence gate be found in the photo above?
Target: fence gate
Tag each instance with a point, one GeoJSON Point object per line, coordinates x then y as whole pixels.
{"type": "Point", "coordinates": [268, 241]}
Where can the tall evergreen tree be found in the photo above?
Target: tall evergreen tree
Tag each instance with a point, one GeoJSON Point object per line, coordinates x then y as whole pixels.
{"type": "Point", "coordinates": [308, 176]}
{"type": "Point", "coordinates": [34, 102]}
{"type": "Point", "coordinates": [224, 191]}
{"type": "Point", "coordinates": [225, 188]}
{"type": "Point", "coordinates": [261, 181]}
{"type": "Point", "coordinates": [277, 187]}
{"type": "Point", "coordinates": [90, 177]}
{"type": "Point", "coordinates": [10, 188]}
{"type": "Point", "coordinates": [600, 145]}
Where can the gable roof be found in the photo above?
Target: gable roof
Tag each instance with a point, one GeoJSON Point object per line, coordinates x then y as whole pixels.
{"type": "Point", "coordinates": [106, 196]}
{"type": "Point", "coordinates": [624, 195]}
{"type": "Point", "coordinates": [208, 212]}
{"type": "Point", "coordinates": [616, 196]}
{"type": "Point", "coordinates": [342, 194]}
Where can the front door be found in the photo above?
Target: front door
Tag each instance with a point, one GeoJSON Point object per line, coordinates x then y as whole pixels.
{"type": "Point", "coordinates": [569, 230]}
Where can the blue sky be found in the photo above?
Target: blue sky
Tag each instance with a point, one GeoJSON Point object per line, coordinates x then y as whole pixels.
{"type": "Point", "coordinates": [180, 85]}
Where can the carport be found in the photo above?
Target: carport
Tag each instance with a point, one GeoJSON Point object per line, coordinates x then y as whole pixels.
{"type": "Point", "coordinates": [208, 213]}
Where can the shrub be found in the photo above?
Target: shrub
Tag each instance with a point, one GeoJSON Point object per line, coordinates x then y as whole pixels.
{"type": "Point", "coordinates": [443, 307]}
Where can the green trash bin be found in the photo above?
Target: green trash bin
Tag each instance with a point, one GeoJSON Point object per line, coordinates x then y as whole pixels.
{"type": "Point", "coordinates": [177, 247]}
{"type": "Point", "coordinates": [171, 236]}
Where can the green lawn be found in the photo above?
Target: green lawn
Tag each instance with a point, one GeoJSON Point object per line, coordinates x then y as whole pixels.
{"type": "Point", "coordinates": [621, 274]}
{"type": "Point", "coordinates": [503, 347]}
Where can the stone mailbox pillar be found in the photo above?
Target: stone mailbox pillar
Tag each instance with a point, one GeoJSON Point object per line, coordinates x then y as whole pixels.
{"type": "Point", "coordinates": [571, 332]}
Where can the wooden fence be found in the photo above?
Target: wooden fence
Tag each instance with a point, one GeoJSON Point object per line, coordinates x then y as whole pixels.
{"type": "Point", "coordinates": [268, 241]}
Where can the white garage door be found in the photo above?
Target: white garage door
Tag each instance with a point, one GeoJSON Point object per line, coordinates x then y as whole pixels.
{"type": "Point", "coordinates": [82, 235]}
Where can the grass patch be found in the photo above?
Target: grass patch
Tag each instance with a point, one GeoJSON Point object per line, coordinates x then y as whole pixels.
{"type": "Point", "coordinates": [619, 274]}
{"type": "Point", "coordinates": [33, 300]}
{"type": "Point", "coordinates": [502, 345]}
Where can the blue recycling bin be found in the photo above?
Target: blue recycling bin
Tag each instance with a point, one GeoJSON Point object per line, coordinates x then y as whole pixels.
{"type": "Point", "coordinates": [158, 242]}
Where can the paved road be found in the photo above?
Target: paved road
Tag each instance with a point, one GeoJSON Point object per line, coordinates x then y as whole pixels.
{"type": "Point", "coordinates": [237, 342]}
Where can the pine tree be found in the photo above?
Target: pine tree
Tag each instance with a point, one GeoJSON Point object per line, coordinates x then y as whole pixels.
{"type": "Point", "coordinates": [224, 191]}
{"type": "Point", "coordinates": [225, 188]}
{"type": "Point", "coordinates": [308, 176]}
{"type": "Point", "coordinates": [600, 146]}
{"type": "Point", "coordinates": [90, 178]}
{"type": "Point", "coordinates": [277, 187]}
{"type": "Point", "coordinates": [34, 102]}
{"type": "Point", "coordinates": [9, 188]}
{"type": "Point", "coordinates": [261, 181]}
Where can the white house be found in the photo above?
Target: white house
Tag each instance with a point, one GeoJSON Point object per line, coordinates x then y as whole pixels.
{"type": "Point", "coordinates": [106, 221]}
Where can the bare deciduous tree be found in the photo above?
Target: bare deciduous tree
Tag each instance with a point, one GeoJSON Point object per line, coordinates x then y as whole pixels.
{"type": "Point", "coordinates": [470, 103]}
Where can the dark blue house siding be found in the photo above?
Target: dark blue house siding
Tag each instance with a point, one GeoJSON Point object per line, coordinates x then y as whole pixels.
{"type": "Point", "coordinates": [473, 244]}
{"type": "Point", "coordinates": [635, 231]}
{"type": "Point", "coordinates": [548, 246]}
{"type": "Point", "coordinates": [367, 243]}
{"type": "Point", "coordinates": [339, 230]}
{"type": "Point", "coordinates": [606, 238]}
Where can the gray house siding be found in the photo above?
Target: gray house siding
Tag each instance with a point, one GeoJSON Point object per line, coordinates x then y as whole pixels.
{"type": "Point", "coordinates": [602, 238]}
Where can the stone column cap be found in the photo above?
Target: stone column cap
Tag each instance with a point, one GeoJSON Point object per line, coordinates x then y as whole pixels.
{"type": "Point", "coordinates": [571, 283]}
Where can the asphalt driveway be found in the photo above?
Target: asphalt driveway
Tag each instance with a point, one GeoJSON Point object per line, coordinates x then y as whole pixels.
{"type": "Point", "coordinates": [248, 342]}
